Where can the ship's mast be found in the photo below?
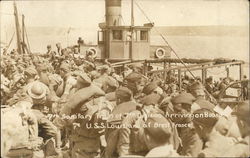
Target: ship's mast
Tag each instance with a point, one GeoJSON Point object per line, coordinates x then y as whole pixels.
{"type": "Point", "coordinates": [19, 47]}
{"type": "Point", "coordinates": [132, 29]}
{"type": "Point", "coordinates": [23, 31]}
{"type": "Point", "coordinates": [132, 13]}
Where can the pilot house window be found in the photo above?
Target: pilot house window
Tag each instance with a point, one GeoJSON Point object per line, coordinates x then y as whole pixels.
{"type": "Point", "coordinates": [117, 34]}
{"type": "Point", "coordinates": [144, 36]}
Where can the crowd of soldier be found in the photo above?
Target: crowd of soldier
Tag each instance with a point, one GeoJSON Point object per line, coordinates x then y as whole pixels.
{"type": "Point", "coordinates": [63, 83]}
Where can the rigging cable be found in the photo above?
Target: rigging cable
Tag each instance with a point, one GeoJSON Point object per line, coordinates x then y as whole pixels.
{"type": "Point", "coordinates": [10, 41]}
{"type": "Point", "coordinates": [165, 40]}
{"type": "Point", "coordinates": [209, 95]}
{"type": "Point", "coordinates": [27, 39]}
{"type": "Point", "coordinates": [122, 19]}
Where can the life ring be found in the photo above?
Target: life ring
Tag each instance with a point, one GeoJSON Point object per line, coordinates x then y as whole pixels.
{"type": "Point", "coordinates": [93, 51]}
{"type": "Point", "coordinates": [160, 53]}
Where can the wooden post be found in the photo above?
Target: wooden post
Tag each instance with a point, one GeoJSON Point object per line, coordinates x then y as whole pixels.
{"type": "Point", "coordinates": [204, 75]}
{"type": "Point", "coordinates": [179, 78]}
{"type": "Point", "coordinates": [123, 70]}
{"type": "Point", "coordinates": [23, 31]}
{"type": "Point", "coordinates": [227, 69]}
{"type": "Point", "coordinates": [241, 71]}
{"type": "Point", "coordinates": [164, 73]}
{"type": "Point", "coordinates": [19, 47]}
{"type": "Point", "coordinates": [145, 68]}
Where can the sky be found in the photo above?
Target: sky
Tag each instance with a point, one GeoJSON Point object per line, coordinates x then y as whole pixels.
{"type": "Point", "coordinates": [88, 13]}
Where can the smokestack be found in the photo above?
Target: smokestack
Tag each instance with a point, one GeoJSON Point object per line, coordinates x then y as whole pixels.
{"type": "Point", "coordinates": [113, 12]}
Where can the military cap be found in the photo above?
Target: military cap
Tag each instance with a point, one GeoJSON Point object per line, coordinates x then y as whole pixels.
{"type": "Point", "coordinates": [22, 64]}
{"type": "Point", "coordinates": [159, 128]}
{"type": "Point", "coordinates": [123, 93]}
{"type": "Point", "coordinates": [209, 79]}
{"type": "Point", "coordinates": [31, 71]}
{"type": "Point", "coordinates": [103, 67]}
{"type": "Point", "coordinates": [136, 67]}
{"type": "Point", "coordinates": [149, 88]}
{"type": "Point", "coordinates": [185, 82]}
{"type": "Point", "coordinates": [205, 117]}
{"type": "Point", "coordinates": [133, 76]}
{"type": "Point", "coordinates": [183, 98]}
{"type": "Point", "coordinates": [197, 87]}
{"type": "Point", "coordinates": [94, 74]}
{"type": "Point", "coordinates": [42, 67]}
{"type": "Point", "coordinates": [151, 99]}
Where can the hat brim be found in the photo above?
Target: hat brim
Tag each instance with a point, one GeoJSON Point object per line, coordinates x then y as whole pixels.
{"type": "Point", "coordinates": [34, 96]}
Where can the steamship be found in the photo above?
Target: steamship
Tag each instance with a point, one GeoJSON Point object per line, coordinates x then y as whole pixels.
{"type": "Point", "coordinates": [125, 45]}
{"type": "Point", "coordinates": [118, 42]}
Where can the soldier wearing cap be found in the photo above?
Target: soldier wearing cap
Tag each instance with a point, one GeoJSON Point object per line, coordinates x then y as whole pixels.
{"type": "Point", "coordinates": [5, 89]}
{"type": "Point", "coordinates": [191, 143]}
{"type": "Point", "coordinates": [50, 54]}
{"type": "Point", "coordinates": [29, 78]}
{"type": "Point", "coordinates": [143, 130]}
{"type": "Point", "coordinates": [30, 74]}
{"type": "Point", "coordinates": [106, 82]}
{"type": "Point", "coordinates": [224, 124]}
{"type": "Point", "coordinates": [153, 99]}
{"type": "Point", "coordinates": [225, 81]}
{"type": "Point", "coordinates": [39, 93]}
{"type": "Point", "coordinates": [245, 85]}
{"type": "Point", "coordinates": [152, 87]}
{"type": "Point", "coordinates": [197, 90]}
{"type": "Point", "coordinates": [124, 105]}
{"type": "Point", "coordinates": [171, 84]}
{"type": "Point", "coordinates": [20, 128]}
{"type": "Point", "coordinates": [158, 139]}
{"type": "Point", "coordinates": [59, 48]}
{"type": "Point", "coordinates": [135, 82]}
{"type": "Point", "coordinates": [215, 144]}
{"type": "Point", "coordinates": [209, 85]}
{"type": "Point", "coordinates": [241, 148]}
{"type": "Point", "coordinates": [68, 81]}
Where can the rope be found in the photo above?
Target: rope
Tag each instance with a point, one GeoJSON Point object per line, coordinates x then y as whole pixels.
{"type": "Point", "coordinates": [27, 38]}
{"type": "Point", "coordinates": [10, 41]}
{"type": "Point", "coordinates": [165, 40]}
{"type": "Point", "coordinates": [122, 19]}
